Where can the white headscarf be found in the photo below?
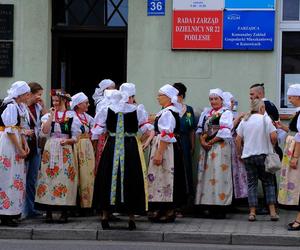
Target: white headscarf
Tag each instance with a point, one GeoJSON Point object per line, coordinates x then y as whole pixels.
{"type": "Point", "coordinates": [77, 99]}
{"type": "Point", "coordinates": [172, 93]}
{"type": "Point", "coordinates": [118, 101]}
{"type": "Point", "coordinates": [216, 92]}
{"type": "Point", "coordinates": [227, 96]}
{"type": "Point", "coordinates": [17, 88]}
{"type": "Point", "coordinates": [294, 90]}
{"type": "Point", "coordinates": [99, 92]}
{"type": "Point", "coordinates": [129, 88]}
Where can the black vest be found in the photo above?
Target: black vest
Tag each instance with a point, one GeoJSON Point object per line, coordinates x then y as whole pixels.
{"type": "Point", "coordinates": [293, 123]}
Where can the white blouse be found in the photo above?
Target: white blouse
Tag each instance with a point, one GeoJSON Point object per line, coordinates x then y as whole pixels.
{"type": "Point", "coordinates": [10, 117]}
{"type": "Point", "coordinates": [77, 123]}
{"type": "Point", "coordinates": [226, 122]}
{"type": "Point", "coordinates": [57, 129]}
{"type": "Point", "coordinates": [101, 117]}
{"type": "Point", "coordinates": [166, 124]}
{"type": "Point", "coordinates": [255, 132]}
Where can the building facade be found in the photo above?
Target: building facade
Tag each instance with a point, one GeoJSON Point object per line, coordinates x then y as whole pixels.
{"type": "Point", "coordinates": [75, 43]}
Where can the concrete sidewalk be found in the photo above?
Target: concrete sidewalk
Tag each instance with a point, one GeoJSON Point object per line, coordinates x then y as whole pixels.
{"type": "Point", "coordinates": [234, 230]}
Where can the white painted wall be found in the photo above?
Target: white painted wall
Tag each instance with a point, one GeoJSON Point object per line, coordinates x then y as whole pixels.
{"type": "Point", "coordinates": [32, 43]}
{"type": "Point", "coordinates": [152, 63]}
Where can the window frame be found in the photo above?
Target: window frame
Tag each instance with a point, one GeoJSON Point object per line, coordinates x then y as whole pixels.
{"type": "Point", "coordinates": [284, 26]}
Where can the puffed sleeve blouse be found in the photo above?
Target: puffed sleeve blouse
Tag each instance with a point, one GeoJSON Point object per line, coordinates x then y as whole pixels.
{"type": "Point", "coordinates": [81, 128]}
{"type": "Point", "coordinates": [57, 128]}
{"type": "Point", "coordinates": [200, 125]}
{"type": "Point", "coordinates": [100, 120]}
{"type": "Point", "coordinates": [226, 125]}
{"type": "Point", "coordinates": [10, 118]}
{"type": "Point", "coordinates": [143, 119]}
{"type": "Point", "coordinates": [166, 124]}
{"type": "Point", "coordinates": [99, 127]}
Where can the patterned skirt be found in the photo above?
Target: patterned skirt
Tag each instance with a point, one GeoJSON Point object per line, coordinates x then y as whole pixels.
{"type": "Point", "coordinates": [239, 174]}
{"type": "Point", "coordinates": [57, 178]}
{"type": "Point", "coordinates": [289, 185]}
{"type": "Point", "coordinates": [12, 177]}
{"type": "Point", "coordinates": [214, 183]}
{"type": "Point", "coordinates": [85, 161]}
{"type": "Point", "coordinates": [100, 146]}
{"type": "Point", "coordinates": [167, 183]}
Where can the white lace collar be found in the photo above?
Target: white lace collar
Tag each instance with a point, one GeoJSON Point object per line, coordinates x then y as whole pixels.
{"type": "Point", "coordinates": [173, 108]}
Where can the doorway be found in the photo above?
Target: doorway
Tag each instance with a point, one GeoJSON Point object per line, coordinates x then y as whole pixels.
{"type": "Point", "coordinates": [89, 44]}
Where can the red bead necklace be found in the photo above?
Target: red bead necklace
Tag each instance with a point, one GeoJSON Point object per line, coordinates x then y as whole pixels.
{"type": "Point", "coordinates": [60, 120]}
{"type": "Point", "coordinates": [83, 121]}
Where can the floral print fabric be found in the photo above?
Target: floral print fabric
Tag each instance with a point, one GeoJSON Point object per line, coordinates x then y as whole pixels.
{"type": "Point", "coordinates": [119, 158]}
{"type": "Point", "coordinates": [289, 187]}
{"type": "Point", "coordinates": [85, 161]}
{"type": "Point", "coordinates": [214, 186]}
{"type": "Point", "coordinates": [12, 177]}
{"type": "Point", "coordinates": [57, 178]}
{"type": "Point", "coordinates": [161, 178]}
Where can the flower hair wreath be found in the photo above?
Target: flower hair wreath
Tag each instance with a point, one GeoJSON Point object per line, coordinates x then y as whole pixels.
{"type": "Point", "coordinates": [60, 93]}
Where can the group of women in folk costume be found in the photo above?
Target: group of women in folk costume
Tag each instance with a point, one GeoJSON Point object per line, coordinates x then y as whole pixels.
{"type": "Point", "coordinates": [116, 177]}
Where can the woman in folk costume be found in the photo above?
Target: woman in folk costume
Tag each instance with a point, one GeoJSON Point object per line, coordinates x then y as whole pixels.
{"type": "Point", "coordinates": [120, 183]}
{"type": "Point", "coordinates": [214, 187]}
{"type": "Point", "coordinates": [83, 149]}
{"type": "Point", "coordinates": [58, 175]}
{"type": "Point", "coordinates": [101, 101]}
{"type": "Point", "coordinates": [289, 180]}
{"type": "Point", "coordinates": [239, 174]}
{"type": "Point", "coordinates": [187, 136]}
{"type": "Point", "coordinates": [166, 174]}
{"type": "Point", "coordinates": [13, 151]}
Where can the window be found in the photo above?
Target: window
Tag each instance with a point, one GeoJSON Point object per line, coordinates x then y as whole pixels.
{"type": "Point", "coordinates": [289, 33]}
{"type": "Point", "coordinates": [90, 13]}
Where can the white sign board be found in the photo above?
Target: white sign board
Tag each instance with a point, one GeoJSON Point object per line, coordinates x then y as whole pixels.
{"type": "Point", "coordinates": [198, 4]}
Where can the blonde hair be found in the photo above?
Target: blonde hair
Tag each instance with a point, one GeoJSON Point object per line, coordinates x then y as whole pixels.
{"type": "Point", "coordinates": [255, 106]}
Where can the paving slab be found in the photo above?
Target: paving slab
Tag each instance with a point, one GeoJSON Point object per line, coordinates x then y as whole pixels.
{"type": "Point", "coordinates": [15, 233]}
{"type": "Point", "coordinates": [198, 237]}
{"type": "Point", "coordinates": [64, 234]}
{"type": "Point", "coordinates": [123, 235]}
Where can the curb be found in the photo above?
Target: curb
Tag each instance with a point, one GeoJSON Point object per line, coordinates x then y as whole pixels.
{"type": "Point", "coordinates": [150, 236]}
{"type": "Point", "coordinates": [266, 239]}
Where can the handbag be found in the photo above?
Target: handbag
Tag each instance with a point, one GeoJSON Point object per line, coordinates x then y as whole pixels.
{"type": "Point", "coordinates": [272, 161]}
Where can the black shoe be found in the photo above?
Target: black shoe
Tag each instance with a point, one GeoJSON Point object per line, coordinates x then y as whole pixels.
{"type": "Point", "coordinates": [114, 218]}
{"type": "Point", "coordinates": [105, 224]}
{"type": "Point", "coordinates": [9, 223]}
{"type": "Point", "coordinates": [131, 225]}
{"type": "Point", "coordinates": [49, 218]}
{"type": "Point", "coordinates": [290, 226]}
{"type": "Point", "coordinates": [63, 218]}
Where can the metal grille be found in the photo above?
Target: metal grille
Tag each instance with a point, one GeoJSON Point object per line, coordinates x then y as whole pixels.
{"type": "Point", "coordinates": [90, 13]}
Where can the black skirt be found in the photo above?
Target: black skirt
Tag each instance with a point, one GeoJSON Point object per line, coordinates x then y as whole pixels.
{"type": "Point", "coordinates": [133, 185]}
